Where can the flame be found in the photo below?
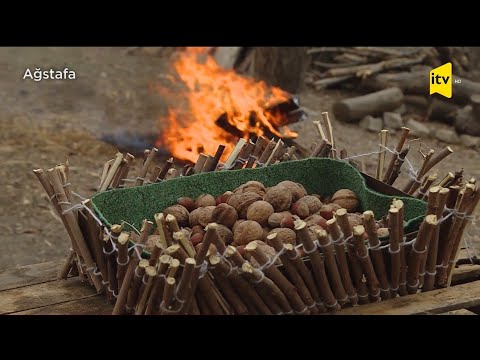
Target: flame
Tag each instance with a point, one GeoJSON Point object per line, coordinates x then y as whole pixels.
{"type": "Point", "coordinates": [212, 92]}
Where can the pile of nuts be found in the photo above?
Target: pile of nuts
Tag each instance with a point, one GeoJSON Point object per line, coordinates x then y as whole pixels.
{"type": "Point", "coordinates": [252, 212]}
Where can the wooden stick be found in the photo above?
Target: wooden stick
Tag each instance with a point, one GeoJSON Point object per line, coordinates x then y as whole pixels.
{"type": "Point", "coordinates": [84, 252]}
{"type": "Point", "coordinates": [398, 148]}
{"type": "Point", "coordinates": [266, 153]}
{"type": "Point", "coordinates": [164, 170]}
{"type": "Point", "coordinates": [356, 269]}
{"type": "Point", "coordinates": [251, 161]}
{"type": "Point", "coordinates": [318, 148]}
{"type": "Point", "coordinates": [166, 307]}
{"type": "Point", "coordinates": [427, 184]}
{"type": "Point", "coordinates": [419, 247]}
{"type": "Point", "coordinates": [341, 257]}
{"type": "Point", "coordinates": [67, 266]}
{"type": "Point", "coordinates": [162, 230]}
{"type": "Point", "coordinates": [260, 145]}
{"type": "Point", "coordinates": [431, 209]}
{"type": "Point", "coordinates": [187, 246]}
{"type": "Point", "coordinates": [329, 128]}
{"type": "Point", "coordinates": [431, 271]}
{"type": "Point", "coordinates": [274, 152]}
{"type": "Point", "coordinates": [112, 171]}
{"type": "Point", "coordinates": [376, 254]}
{"type": "Point", "coordinates": [381, 156]}
{"type": "Point", "coordinates": [172, 223]}
{"type": "Point", "coordinates": [146, 166]}
{"type": "Point", "coordinates": [394, 225]}
{"type": "Point", "coordinates": [123, 258]}
{"type": "Point", "coordinates": [317, 265]}
{"type": "Point", "coordinates": [218, 154]}
{"type": "Point", "coordinates": [150, 272]}
{"type": "Point", "coordinates": [158, 285]}
{"type": "Point", "coordinates": [403, 260]}
{"type": "Point", "coordinates": [226, 288]}
{"type": "Point", "coordinates": [234, 154]}
{"type": "Point", "coordinates": [129, 160]}
{"type": "Point", "coordinates": [397, 165]}
{"type": "Point", "coordinates": [292, 273]}
{"type": "Point", "coordinates": [326, 246]}
{"type": "Point", "coordinates": [106, 167]}
{"type": "Point", "coordinates": [461, 206]}
{"type": "Point", "coordinates": [257, 277]}
{"type": "Point", "coordinates": [133, 293]}
{"type": "Point", "coordinates": [183, 286]}
{"type": "Point", "coordinates": [202, 158]}
{"type": "Point", "coordinates": [407, 189]}
{"type": "Point", "coordinates": [278, 278]}
{"type": "Point", "coordinates": [366, 262]}
{"type": "Point", "coordinates": [472, 199]}
{"type": "Point", "coordinates": [156, 252]}
{"type": "Point", "coordinates": [319, 128]}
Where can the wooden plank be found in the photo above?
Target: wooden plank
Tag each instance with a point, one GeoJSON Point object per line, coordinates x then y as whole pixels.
{"type": "Point", "coordinates": [459, 312]}
{"type": "Point", "coordinates": [44, 294]}
{"type": "Point", "coordinates": [94, 305]}
{"type": "Point", "coordinates": [465, 273]}
{"type": "Point", "coordinates": [29, 275]}
{"type": "Point", "coordinates": [432, 302]}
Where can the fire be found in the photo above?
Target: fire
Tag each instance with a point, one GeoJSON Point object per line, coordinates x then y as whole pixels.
{"type": "Point", "coordinates": [214, 93]}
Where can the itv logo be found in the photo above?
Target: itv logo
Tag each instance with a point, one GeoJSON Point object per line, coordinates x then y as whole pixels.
{"type": "Point", "coordinates": [441, 80]}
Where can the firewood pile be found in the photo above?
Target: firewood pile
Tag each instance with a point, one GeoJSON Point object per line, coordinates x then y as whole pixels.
{"type": "Point", "coordinates": [265, 250]}
{"type": "Point", "coordinates": [374, 69]}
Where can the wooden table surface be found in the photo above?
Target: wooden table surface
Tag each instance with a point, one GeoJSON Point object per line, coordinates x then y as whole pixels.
{"type": "Point", "coordinates": [34, 289]}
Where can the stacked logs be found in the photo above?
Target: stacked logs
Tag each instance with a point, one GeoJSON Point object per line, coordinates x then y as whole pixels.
{"type": "Point", "coordinates": [341, 265]}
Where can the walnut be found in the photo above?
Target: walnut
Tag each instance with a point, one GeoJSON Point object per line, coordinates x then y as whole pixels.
{"type": "Point", "coordinates": [260, 211]}
{"type": "Point", "coordinates": [150, 243]}
{"type": "Point", "coordinates": [313, 203]}
{"type": "Point", "coordinates": [355, 219]}
{"type": "Point", "coordinates": [328, 210]}
{"type": "Point", "coordinates": [297, 190]}
{"type": "Point", "coordinates": [238, 222]}
{"type": "Point", "coordinates": [275, 219]}
{"type": "Point", "coordinates": [287, 236]}
{"type": "Point", "coordinates": [280, 198]}
{"type": "Point", "coordinates": [300, 209]}
{"type": "Point", "coordinates": [241, 202]}
{"type": "Point", "coordinates": [247, 231]}
{"type": "Point", "coordinates": [201, 216]}
{"type": "Point", "coordinates": [224, 214]}
{"type": "Point", "coordinates": [225, 234]}
{"type": "Point", "coordinates": [180, 213]}
{"type": "Point", "coordinates": [188, 203]}
{"type": "Point", "coordinates": [347, 199]}
{"type": "Point", "coordinates": [205, 200]}
{"type": "Point", "coordinates": [251, 186]}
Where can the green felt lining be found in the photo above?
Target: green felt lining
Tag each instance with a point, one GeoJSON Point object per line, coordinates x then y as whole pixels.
{"type": "Point", "coordinates": [318, 175]}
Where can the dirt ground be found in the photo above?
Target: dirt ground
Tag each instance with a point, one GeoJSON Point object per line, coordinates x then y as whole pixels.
{"type": "Point", "coordinates": [42, 123]}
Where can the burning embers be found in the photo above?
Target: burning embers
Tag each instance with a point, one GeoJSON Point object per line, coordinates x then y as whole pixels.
{"type": "Point", "coordinates": [222, 107]}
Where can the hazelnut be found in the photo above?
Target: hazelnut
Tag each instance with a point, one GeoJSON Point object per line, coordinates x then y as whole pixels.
{"type": "Point", "coordinates": [275, 219]}
{"type": "Point", "coordinates": [196, 238]}
{"type": "Point", "coordinates": [313, 203]}
{"type": "Point", "coordinates": [347, 199]}
{"type": "Point", "coordinates": [201, 216]}
{"type": "Point", "coordinates": [187, 202]}
{"type": "Point", "coordinates": [260, 211]}
{"type": "Point", "coordinates": [316, 219]}
{"type": "Point", "coordinates": [279, 197]}
{"type": "Point", "coordinates": [198, 229]}
{"type": "Point", "coordinates": [223, 198]}
{"type": "Point", "coordinates": [241, 250]}
{"type": "Point", "coordinates": [247, 231]}
{"type": "Point", "coordinates": [241, 202]}
{"type": "Point", "coordinates": [327, 211]}
{"type": "Point", "coordinates": [287, 236]}
{"type": "Point", "coordinates": [224, 214]}
{"type": "Point", "coordinates": [297, 190]}
{"type": "Point", "coordinates": [287, 222]}
{"type": "Point", "coordinates": [179, 212]}
{"type": "Point", "coordinates": [225, 234]}
{"type": "Point", "coordinates": [300, 209]}
{"type": "Point", "coordinates": [205, 200]}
